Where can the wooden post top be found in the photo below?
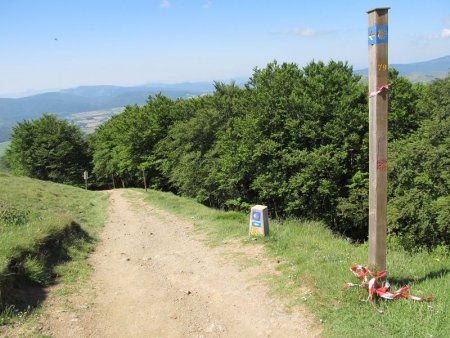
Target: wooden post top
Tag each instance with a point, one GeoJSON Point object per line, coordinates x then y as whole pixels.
{"type": "Point", "coordinates": [379, 9]}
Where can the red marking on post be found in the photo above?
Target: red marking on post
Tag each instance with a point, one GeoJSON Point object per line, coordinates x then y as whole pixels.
{"type": "Point", "coordinates": [382, 165]}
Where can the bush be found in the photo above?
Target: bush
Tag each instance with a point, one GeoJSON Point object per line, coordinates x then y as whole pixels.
{"type": "Point", "coordinates": [48, 149]}
{"type": "Point", "coordinates": [419, 204]}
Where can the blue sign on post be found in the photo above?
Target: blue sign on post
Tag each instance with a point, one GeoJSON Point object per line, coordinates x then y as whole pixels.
{"type": "Point", "coordinates": [256, 215]}
{"type": "Point", "coordinates": [259, 221]}
{"type": "Point", "coordinates": [378, 34]}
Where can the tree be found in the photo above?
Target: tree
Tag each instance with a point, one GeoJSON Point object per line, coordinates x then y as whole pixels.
{"type": "Point", "coordinates": [124, 147]}
{"type": "Point", "coordinates": [405, 115]}
{"type": "Point", "coordinates": [186, 153]}
{"type": "Point", "coordinates": [49, 149]}
{"type": "Point", "coordinates": [419, 189]}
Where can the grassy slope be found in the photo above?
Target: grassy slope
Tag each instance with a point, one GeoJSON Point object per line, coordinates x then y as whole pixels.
{"type": "Point", "coordinates": [315, 264]}
{"type": "Point", "coordinates": [33, 212]}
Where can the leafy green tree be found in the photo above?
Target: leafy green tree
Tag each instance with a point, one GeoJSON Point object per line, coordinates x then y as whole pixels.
{"type": "Point", "coordinates": [419, 205]}
{"type": "Point", "coordinates": [123, 147]}
{"type": "Point", "coordinates": [186, 153]}
{"type": "Point", "coordinates": [48, 149]}
{"type": "Point", "coordinates": [296, 141]}
{"type": "Point", "coordinates": [405, 114]}
{"type": "Point", "coordinates": [353, 210]}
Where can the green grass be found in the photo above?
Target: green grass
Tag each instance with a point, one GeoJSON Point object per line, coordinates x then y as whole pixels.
{"type": "Point", "coordinates": [314, 264]}
{"type": "Point", "coordinates": [46, 231]}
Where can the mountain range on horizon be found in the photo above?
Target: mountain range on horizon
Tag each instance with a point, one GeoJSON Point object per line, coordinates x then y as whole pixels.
{"type": "Point", "coordinates": [65, 102]}
{"type": "Point", "coordinates": [92, 98]}
{"type": "Point", "coordinates": [424, 71]}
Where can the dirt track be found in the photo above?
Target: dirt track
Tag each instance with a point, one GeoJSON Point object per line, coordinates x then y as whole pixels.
{"type": "Point", "coordinates": [154, 277]}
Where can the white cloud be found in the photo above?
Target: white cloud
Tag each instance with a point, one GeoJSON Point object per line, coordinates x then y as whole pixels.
{"type": "Point", "coordinates": [207, 4]}
{"type": "Point", "coordinates": [445, 33]}
{"type": "Point", "coordinates": [431, 37]}
{"type": "Point", "coordinates": [305, 32]}
{"type": "Point", "coordinates": [164, 4]}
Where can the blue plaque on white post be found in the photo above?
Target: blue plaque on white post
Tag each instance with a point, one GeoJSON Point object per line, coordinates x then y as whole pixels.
{"type": "Point", "coordinates": [259, 221]}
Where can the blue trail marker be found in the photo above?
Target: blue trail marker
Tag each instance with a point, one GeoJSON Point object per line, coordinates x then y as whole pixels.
{"type": "Point", "coordinates": [259, 221]}
{"type": "Point", "coordinates": [378, 34]}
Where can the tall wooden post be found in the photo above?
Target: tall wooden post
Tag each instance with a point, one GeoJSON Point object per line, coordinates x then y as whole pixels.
{"type": "Point", "coordinates": [378, 111]}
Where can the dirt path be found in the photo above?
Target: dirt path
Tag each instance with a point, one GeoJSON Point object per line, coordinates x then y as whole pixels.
{"type": "Point", "coordinates": [153, 277]}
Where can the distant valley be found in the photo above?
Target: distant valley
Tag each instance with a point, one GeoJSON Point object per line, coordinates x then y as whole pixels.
{"type": "Point", "coordinates": [100, 101]}
{"type": "Point", "coordinates": [89, 106]}
{"type": "Point", "coordinates": [90, 120]}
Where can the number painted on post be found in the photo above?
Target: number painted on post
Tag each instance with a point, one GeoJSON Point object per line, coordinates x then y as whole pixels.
{"type": "Point", "coordinates": [382, 67]}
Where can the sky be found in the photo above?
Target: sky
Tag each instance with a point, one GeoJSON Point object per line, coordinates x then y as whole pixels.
{"type": "Point", "coordinates": [55, 44]}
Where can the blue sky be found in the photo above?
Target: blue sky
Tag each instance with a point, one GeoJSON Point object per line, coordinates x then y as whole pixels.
{"type": "Point", "coordinates": [54, 44]}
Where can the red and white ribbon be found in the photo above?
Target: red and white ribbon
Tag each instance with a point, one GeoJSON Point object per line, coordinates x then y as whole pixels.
{"type": "Point", "coordinates": [379, 90]}
{"type": "Point", "coordinates": [362, 272]}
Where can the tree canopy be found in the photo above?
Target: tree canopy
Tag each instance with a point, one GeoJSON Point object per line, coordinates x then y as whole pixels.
{"type": "Point", "coordinates": [295, 139]}
{"type": "Point", "coordinates": [48, 149]}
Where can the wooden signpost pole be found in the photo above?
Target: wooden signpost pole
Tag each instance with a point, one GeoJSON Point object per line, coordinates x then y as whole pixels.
{"type": "Point", "coordinates": [378, 111]}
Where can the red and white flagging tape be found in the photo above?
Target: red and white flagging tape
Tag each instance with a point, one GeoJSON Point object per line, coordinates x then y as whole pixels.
{"type": "Point", "coordinates": [379, 90]}
{"type": "Point", "coordinates": [362, 272]}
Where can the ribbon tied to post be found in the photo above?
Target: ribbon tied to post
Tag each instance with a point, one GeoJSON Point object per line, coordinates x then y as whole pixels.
{"type": "Point", "coordinates": [379, 90]}
{"type": "Point", "coordinates": [369, 279]}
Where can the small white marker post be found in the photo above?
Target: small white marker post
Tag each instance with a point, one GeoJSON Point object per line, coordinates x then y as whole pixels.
{"type": "Point", "coordinates": [85, 176]}
{"type": "Point", "coordinates": [259, 221]}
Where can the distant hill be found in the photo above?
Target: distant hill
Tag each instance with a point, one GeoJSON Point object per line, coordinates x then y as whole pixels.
{"type": "Point", "coordinates": [29, 107]}
{"type": "Point", "coordinates": [98, 98]}
{"type": "Point", "coordinates": [425, 71]}
{"type": "Point", "coordinates": [82, 99]}
{"type": "Point", "coordinates": [87, 99]}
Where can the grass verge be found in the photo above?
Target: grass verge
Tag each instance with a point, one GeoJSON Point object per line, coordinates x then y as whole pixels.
{"type": "Point", "coordinates": [46, 233]}
{"type": "Point", "coordinates": [315, 264]}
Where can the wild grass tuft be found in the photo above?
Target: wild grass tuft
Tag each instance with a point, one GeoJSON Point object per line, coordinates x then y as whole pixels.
{"type": "Point", "coordinates": [36, 272]}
